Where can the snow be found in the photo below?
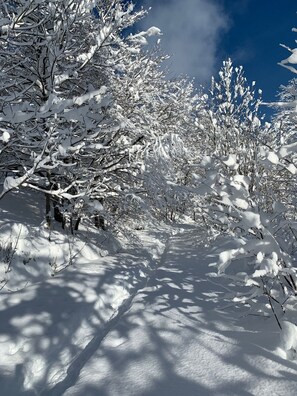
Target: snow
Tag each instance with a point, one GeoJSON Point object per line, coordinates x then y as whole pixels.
{"type": "Point", "coordinates": [292, 169]}
{"type": "Point", "coordinates": [289, 338]}
{"type": "Point", "coordinates": [57, 105]}
{"type": "Point", "coordinates": [135, 319]}
{"type": "Point", "coordinates": [250, 219]}
{"type": "Point", "coordinates": [11, 182]}
{"type": "Point", "coordinates": [288, 149]}
{"type": "Point", "coordinates": [140, 37]}
{"type": "Point", "coordinates": [5, 137]}
{"type": "Point", "coordinates": [153, 31]}
{"type": "Point", "coordinates": [268, 265]}
{"type": "Point", "coordinates": [176, 340]}
{"type": "Point", "coordinates": [226, 257]}
{"type": "Point", "coordinates": [241, 203]}
{"type": "Point", "coordinates": [242, 180]}
{"type": "Point", "coordinates": [292, 58]}
{"type": "Point", "coordinates": [231, 161]}
{"type": "Point", "coordinates": [273, 158]}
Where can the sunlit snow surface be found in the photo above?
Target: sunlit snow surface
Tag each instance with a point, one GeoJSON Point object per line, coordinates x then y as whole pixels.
{"type": "Point", "coordinates": [142, 322]}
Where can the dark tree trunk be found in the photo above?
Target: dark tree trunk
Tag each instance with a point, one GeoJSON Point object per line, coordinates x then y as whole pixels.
{"type": "Point", "coordinates": [48, 216]}
{"type": "Point", "coordinates": [98, 219]}
{"type": "Point", "coordinates": [76, 225]}
{"type": "Point", "coordinates": [99, 222]}
{"type": "Point", "coordinates": [58, 216]}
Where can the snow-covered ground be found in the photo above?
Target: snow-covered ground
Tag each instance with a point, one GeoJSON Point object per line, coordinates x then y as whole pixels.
{"type": "Point", "coordinates": [140, 319]}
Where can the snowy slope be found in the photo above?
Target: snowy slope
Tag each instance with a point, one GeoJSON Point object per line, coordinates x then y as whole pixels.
{"type": "Point", "coordinates": [178, 338]}
{"type": "Point", "coordinates": [60, 293]}
{"type": "Point", "coordinates": [143, 320]}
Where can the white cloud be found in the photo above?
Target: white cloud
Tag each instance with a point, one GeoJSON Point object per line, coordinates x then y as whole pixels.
{"type": "Point", "coordinates": [191, 34]}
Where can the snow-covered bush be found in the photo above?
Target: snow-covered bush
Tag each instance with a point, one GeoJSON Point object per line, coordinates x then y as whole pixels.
{"type": "Point", "coordinates": [262, 232]}
{"type": "Point", "coordinates": [246, 181]}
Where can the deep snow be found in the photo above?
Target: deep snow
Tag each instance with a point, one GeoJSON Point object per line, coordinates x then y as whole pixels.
{"type": "Point", "coordinates": [143, 320]}
{"type": "Point", "coordinates": [180, 338]}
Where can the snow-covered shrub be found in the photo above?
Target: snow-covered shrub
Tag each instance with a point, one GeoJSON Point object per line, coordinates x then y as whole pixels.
{"type": "Point", "coordinates": [246, 182]}
{"type": "Point", "coordinates": [262, 261]}
{"type": "Point", "coordinates": [288, 339]}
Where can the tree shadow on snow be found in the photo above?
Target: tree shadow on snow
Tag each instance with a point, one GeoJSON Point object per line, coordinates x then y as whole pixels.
{"type": "Point", "coordinates": [158, 344]}
{"type": "Point", "coordinates": [55, 326]}
{"type": "Point", "coordinates": [179, 310]}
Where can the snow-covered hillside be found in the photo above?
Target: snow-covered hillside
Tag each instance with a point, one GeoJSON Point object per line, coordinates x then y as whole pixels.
{"type": "Point", "coordinates": [142, 319]}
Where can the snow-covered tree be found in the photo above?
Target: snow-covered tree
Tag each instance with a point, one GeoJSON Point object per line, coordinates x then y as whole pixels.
{"type": "Point", "coordinates": [232, 118]}
{"type": "Point", "coordinates": [167, 161]}
{"type": "Point", "coordinates": [285, 120]}
{"type": "Point", "coordinates": [229, 126]}
{"type": "Point", "coordinates": [55, 93]}
{"type": "Point", "coordinates": [243, 181]}
{"type": "Point", "coordinates": [82, 104]}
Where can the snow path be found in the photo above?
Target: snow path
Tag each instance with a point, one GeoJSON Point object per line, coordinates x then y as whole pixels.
{"type": "Point", "coordinates": [145, 322]}
{"type": "Point", "coordinates": [177, 338]}
{"type": "Point", "coordinates": [80, 361]}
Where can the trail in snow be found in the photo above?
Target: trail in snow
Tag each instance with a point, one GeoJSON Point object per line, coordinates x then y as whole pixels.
{"type": "Point", "coordinates": [144, 322]}
{"type": "Point", "coordinates": [86, 354]}
{"type": "Point", "coordinates": [50, 327]}
{"type": "Point", "coordinates": [179, 338]}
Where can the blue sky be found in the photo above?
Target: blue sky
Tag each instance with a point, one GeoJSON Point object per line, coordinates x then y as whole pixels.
{"type": "Point", "coordinates": [200, 34]}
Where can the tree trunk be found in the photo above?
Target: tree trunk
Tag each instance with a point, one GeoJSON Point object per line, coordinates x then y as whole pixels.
{"type": "Point", "coordinates": [48, 216]}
